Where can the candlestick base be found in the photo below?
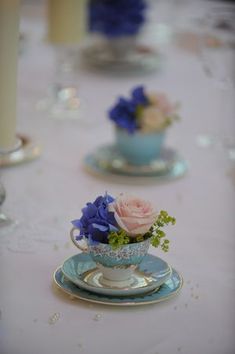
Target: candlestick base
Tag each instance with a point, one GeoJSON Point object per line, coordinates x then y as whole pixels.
{"type": "Point", "coordinates": [28, 151]}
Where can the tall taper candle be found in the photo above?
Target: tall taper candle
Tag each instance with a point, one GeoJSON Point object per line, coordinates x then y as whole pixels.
{"type": "Point", "coordinates": [66, 21]}
{"type": "Point", "coordinates": [9, 38]}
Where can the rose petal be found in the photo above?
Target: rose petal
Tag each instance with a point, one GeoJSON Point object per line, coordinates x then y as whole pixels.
{"type": "Point", "coordinates": [134, 215]}
{"type": "Point", "coordinates": [120, 223]}
{"type": "Point", "coordinates": [140, 221]}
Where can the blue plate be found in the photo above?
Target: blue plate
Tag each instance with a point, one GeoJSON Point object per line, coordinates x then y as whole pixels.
{"type": "Point", "coordinates": [168, 290]}
{"type": "Point", "coordinates": [150, 274]}
{"type": "Point", "coordinates": [106, 161]}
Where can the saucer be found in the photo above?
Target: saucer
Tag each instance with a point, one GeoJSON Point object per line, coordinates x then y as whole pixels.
{"type": "Point", "coordinates": [168, 290]}
{"type": "Point", "coordinates": [106, 161]}
{"type": "Point", "coordinates": [150, 274]}
{"type": "Point", "coordinates": [141, 58]}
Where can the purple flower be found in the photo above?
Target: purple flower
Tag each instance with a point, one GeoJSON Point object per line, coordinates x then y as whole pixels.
{"type": "Point", "coordinates": [96, 221]}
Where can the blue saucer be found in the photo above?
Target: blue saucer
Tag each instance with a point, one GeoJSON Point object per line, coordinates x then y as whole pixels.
{"type": "Point", "coordinates": [106, 161]}
{"type": "Point", "coordinates": [168, 290]}
{"type": "Point", "coordinates": [151, 273]}
{"type": "Point", "coordinates": [140, 59]}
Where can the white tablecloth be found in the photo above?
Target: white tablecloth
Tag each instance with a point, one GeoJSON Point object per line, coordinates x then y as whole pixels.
{"type": "Point", "coordinates": [45, 195]}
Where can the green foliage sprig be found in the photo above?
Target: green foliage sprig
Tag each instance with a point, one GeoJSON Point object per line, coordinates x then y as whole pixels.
{"type": "Point", "coordinates": [120, 237]}
{"type": "Point", "coordinates": [156, 233]}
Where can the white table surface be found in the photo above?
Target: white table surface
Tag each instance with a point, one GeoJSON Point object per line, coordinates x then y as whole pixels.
{"type": "Point", "coordinates": [46, 194]}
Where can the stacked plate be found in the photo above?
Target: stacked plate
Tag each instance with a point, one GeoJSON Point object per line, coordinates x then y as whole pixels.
{"type": "Point", "coordinates": [153, 281]}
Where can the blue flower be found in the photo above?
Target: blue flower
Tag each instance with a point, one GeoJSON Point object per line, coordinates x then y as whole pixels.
{"type": "Point", "coordinates": [139, 97]}
{"type": "Point", "coordinates": [96, 221]}
{"type": "Point", "coordinates": [124, 113]}
{"type": "Point", "coordinates": [115, 18]}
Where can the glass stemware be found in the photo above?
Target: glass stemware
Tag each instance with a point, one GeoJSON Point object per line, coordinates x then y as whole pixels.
{"type": "Point", "coordinates": [63, 98]}
{"type": "Point", "coordinates": [5, 221]}
{"type": "Point", "coordinates": [66, 30]}
{"type": "Point", "coordinates": [217, 56]}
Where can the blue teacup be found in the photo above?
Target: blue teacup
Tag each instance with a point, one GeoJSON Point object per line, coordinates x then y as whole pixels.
{"type": "Point", "coordinates": [139, 148]}
{"type": "Point", "coordinates": [116, 265]}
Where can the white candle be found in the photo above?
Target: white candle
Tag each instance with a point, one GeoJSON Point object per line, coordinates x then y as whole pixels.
{"type": "Point", "coordinates": [9, 38]}
{"type": "Point", "coordinates": [66, 21]}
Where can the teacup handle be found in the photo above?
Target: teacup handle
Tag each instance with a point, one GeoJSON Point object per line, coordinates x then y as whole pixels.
{"type": "Point", "coordinates": [83, 249]}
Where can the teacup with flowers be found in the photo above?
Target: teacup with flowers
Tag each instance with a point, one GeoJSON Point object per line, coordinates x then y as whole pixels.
{"type": "Point", "coordinates": [141, 123]}
{"type": "Point", "coordinates": [118, 23]}
{"type": "Point", "coordinates": [118, 233]}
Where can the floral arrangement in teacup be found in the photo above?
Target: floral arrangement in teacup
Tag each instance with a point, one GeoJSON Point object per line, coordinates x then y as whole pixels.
{"type": "Point", "coordinates": [141, 122]}
{"type": "Point", "coordinates": [122, 220]}
{"type": "Point", "coordinates": [118, 232]}
{"type": "Point", "coordinates": [144, 112]}
{"type": "Point", "coordinates": [116, 19]}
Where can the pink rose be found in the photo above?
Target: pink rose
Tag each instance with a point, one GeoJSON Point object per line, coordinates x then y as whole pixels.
{"type": "Point", "coordinates": [153, 120]}
{"type": "Point", "coordinates": [134, 215]}
{"type": "Point", "coordinates": [161, 101]}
